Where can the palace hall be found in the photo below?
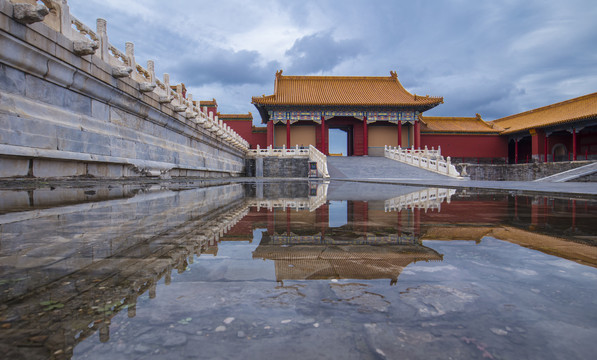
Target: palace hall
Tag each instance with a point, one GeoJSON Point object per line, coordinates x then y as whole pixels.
{"type": "Point", "coordinates": [374, 112]}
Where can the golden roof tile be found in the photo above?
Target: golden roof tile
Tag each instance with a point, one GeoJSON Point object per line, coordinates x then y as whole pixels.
{"type": "Point", "coordinates": [579, 108]}
{"type": "Point", "coordinates": [440, 124]}
{"type": "Point", "coordinates": [248, 116]}
{"type": "Point", "coordinates": [343, 91]}
{"type": "Point", "coordinates": [211, 102]}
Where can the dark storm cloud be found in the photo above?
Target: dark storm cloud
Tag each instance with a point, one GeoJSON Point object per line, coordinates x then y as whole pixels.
{"type": "Point", "coordinates": [495, 58]}
{"type": "Point", "coordinates": [227, 67]}
{"type": "Point", "coordinates": [320, 52]}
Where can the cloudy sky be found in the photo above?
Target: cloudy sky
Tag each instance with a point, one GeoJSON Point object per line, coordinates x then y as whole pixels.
{"type": "Point", "coordinates": [494, 57]}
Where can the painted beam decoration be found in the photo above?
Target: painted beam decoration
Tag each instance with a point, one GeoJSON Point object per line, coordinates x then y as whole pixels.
{"type": "Point", "coordinates": [283, 116]}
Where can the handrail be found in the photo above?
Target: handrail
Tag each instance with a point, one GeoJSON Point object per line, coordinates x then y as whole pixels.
{"type": "Point", "coordinates": [423, 158]}
{"type": "Point", "coordinates": [311, 152]}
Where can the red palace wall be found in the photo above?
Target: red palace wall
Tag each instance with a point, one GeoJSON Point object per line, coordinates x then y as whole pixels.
{"type": "Point", "coordinates": [244, 128]}
{"type": "Point", "coordinates": [468, 146]}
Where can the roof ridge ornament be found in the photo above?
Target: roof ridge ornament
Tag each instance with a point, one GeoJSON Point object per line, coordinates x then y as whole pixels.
{"type": "Point", "coordinates": [393, 74]}
{"type": "Point", "coordinates": [278, 73]}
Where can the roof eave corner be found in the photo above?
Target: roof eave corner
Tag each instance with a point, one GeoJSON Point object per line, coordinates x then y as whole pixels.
{"type": "Point", "coordinates": [262, 112]}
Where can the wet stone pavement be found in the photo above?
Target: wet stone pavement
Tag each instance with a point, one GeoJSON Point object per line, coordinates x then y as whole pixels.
{"type": "Point", "coordinates": [296, 270]}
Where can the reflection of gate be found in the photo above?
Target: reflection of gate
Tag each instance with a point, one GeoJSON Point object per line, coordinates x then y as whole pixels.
{"type": "Point", "coordinates": [560, 153]}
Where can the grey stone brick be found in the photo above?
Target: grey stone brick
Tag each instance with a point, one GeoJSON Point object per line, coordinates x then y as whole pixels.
{"type": "Point", "coordinates": [13, 167]}
{"type": "Point", "coordinates": [47, 168]}
{"type": "Point", "coordinates": [44, 91]}
{"type": "Point", "coordinates": [12, 80]}
{"type": "Point", "coordinates": [77, 103]}
{"type": "Point", "coordinates": [100, 110]}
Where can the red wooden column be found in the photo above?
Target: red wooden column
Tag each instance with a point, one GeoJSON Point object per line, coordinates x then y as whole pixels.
{"type": "Point", "coordinates": [545, 149]}
{"type": "Point", "coordinates": [288, 134]}
{"type": "Point", "coordinates": [323, 135]}
{"type": "Point", "coordinates": [270, 133]}
{"type": "Point", "coordinates": [365, 137]}
{"type": "Point", "coordinates": [516, 151]}
{"type": "Point", "coordinates": [399, 133]}
{"type": "Point", "coordinates": [574, 144]}
{"type": "Point", "coordinates": [537, 143]}
{"type": "Point", "coordinates": [417, 136]}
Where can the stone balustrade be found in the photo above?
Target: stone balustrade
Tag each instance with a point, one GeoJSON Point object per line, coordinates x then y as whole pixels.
{"type": "Point", "coordinates": [430, 198]}
{"type": "Point", "coordinates": [311, 152]}
{"type": "Point", "coordinates": [89, 42]}
{"type": "Point", "coordinates": [311, 203]}
{"type": "Point", "coordinates": [431, 160]}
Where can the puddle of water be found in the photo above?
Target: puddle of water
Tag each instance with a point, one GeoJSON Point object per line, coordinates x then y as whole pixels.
{"type": "Point", "coordinates": [295, 270]}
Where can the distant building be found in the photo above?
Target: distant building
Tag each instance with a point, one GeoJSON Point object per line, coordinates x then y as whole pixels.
{"type": "Point", "coordinates": [241, 123]}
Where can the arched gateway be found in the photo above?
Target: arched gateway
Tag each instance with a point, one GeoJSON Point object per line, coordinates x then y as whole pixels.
{"type": "Point", "coordinates": [373, 111]}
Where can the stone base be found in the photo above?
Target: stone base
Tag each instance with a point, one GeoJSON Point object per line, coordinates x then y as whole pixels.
{"type": "Point", "coordinates": [10, 167]}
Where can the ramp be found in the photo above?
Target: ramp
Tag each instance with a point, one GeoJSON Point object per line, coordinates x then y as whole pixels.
{"type": "Point", "coordinates": [571, 174]}
{"type": "Point", "coordinates": [377, 168]}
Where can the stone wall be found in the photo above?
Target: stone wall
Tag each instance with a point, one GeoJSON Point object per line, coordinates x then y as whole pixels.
{"type": "Point", "coordinates": [64, 115]}
{"type": "Point", "coordinates": [517, 172]}
{"type": "Point", "coordinates": [277, 167]}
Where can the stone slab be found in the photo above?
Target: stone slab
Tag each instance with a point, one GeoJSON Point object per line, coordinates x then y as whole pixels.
{"type": "Point", "coordinates": [48, 168]}
{"type": "Point", "coordinates": [13, 167]}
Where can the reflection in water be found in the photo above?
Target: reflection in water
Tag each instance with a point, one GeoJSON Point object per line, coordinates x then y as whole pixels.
{"type": "Point", "coordinates": [73, 261]}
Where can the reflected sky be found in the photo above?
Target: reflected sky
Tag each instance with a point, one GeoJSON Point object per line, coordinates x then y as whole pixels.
{"type": "Point", "coordinates": [295, 270]}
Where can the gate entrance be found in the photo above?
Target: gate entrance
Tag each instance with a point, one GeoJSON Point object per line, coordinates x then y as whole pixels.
{"type": "Point", "coordinates": [341, 140]}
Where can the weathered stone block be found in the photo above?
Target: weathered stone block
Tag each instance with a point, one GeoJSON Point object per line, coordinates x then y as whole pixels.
{"type": "Point", "coordinates": [49, 168]}
{"type": "Point", "coordinates": [22, 56]}
{"type": "Point", "coordinates": [12, 80]}
{"type": "Point", "coordinates": [44, 91]}
{"type": "Point", "coordinates": [77, 103]}
{"type": "Point", "coordinates": [100, 110]}
{"type": "Point", "coordinates": [60, 73]}
{"type": "Point", "coordinates": [4, 20]}
{"type": "Point", "coordinates": [111, 171]}
{"type": "Point", "coordinates": [39, 41]}
{"type": "Point", "coordinates": [13, 167]}
{"type": "Point", "coordinates": [92, 87]}
{"type": "Point", "coordinates": [28, 132]}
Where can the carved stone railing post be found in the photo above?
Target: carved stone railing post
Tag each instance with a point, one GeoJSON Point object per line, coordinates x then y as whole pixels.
{"type": "Point", "coordinates": [102, 34]}
{"type": "Point", "coordinates": [65, 18]}
{"type": "Point", "coordinates": [129, 50]}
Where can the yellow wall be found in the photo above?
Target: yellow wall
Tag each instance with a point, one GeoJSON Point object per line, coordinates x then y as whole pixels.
{"type": "Point", "coordinates": [280, 135]}
{"type": "Point", "coordinates": [302, 136]}
{"type": "Point", "coordinates": [388, 135]}
{"type": "Point", "coordinates": [383, 135]}
{"type": "Point", "coordinates": [299, 135]}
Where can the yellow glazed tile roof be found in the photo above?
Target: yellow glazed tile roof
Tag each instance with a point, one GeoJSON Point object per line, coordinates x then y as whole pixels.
{"type": "Point", "coordinates": [439, 124]}
{"type": "Point", "coordinates": [579, 108]}
{"type": "Point", "coordinates": [248, 116]}
{"type": "Point", "coordinates": [211, 102]}
{"type": "Point", "coordinates": [343, 91]}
